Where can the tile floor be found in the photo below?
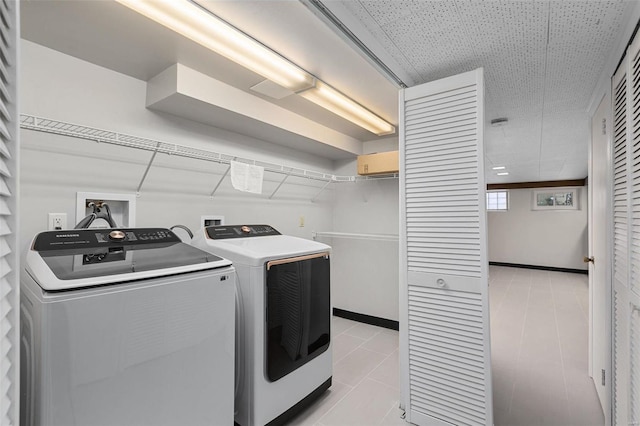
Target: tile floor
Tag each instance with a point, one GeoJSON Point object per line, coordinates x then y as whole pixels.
{"type": "Point", "coordinates": [539, 353]}
{"type": "Point", "coordinates": [539, 343]}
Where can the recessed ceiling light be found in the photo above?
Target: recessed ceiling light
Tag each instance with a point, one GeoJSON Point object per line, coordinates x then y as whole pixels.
{"type": "Point", "coordinates": [502, 173]}
{"type": "Point", "coordinates": [499, 168]}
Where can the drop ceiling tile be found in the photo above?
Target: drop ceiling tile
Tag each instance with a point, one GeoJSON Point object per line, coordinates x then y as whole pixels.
{"type": "Point", "coordinates": [580, 36]}
{"type": "Point", "coordinates": [541, 59]}
{"type": "Point", "coordinates": [384, 12]}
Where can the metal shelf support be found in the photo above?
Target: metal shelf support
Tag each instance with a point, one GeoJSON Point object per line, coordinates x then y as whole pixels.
{"type": "Point", "coordinates": [279, 185]}
{"type": "Point", "coordinates": [226, 172]}
{"type": "Point", "coordinates": [313, 200]}
{"type": "Point", "coordinates": [146, 172]}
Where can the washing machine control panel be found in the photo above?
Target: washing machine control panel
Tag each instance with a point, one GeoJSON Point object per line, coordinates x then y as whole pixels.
{"type": "Point", "coordinates": [224, 232]}
{"type": "Point", "coordinates": [97, 238]}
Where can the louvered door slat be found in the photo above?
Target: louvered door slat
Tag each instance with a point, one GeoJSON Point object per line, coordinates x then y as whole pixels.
{"type": "Point", "coordinates": [634, 351]}
{"type": "Point", "coordinates": [620, 357]}
{"type": "Point", "coordinates": [4, 188]}
{"type": "Point", "coordinates": [463, 402]}
{"type": "Point", "coordinates": [628, 302]}
{"type": "Point", "coordinates": [447, 354]}
{"type": "Point", "coordinates": [435, 101]}
{"type": "Point", "coordinates": [4, 151]}
{"type": "Point", "coordinates": [620, 187]}
{"type": "Point", "coordinates": [9, 263]}
{"type": "Point", "coordinates": [620, 231]}
{"type": "Point", "coordinates": [634, 154]}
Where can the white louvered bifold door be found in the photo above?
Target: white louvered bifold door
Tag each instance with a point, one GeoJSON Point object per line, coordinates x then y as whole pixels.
{"type": "Point", "coordinates": [9, 253]}
{"type": "Point", "coordinates": [633, 289]}
{"type": "Point", "coordinates": [626, 239]}
{"type": "Point", "coordinates": [445, 343]}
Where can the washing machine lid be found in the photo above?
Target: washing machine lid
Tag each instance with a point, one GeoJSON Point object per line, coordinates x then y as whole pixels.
{"type": "Point", "coordinates": [254, 245]}
{"type": "Point", "coordinates": [69, 259]}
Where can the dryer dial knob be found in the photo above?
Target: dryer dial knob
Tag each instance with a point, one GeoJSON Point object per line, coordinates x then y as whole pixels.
{"type": "Point", "coordinates": [117, 235]}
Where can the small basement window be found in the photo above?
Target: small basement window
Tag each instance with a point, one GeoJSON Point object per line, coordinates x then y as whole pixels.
{"type": "Point", "coordinates": [498, 201]}
{"type": "Point", "coordinates": [555, 199]}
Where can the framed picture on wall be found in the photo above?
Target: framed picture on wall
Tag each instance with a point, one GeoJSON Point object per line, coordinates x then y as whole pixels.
{"type": "Point", "coordinates": [555, 199]}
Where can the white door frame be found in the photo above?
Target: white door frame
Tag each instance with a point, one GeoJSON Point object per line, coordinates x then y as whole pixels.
{"type": "Point", "coordinates": [607, 303]}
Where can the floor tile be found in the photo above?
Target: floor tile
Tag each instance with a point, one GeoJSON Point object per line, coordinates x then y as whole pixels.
{"type": "Point", "coordinates": [505, 349]}
{"type": "Point", "coordinates": [388, 372]}
{"type": "Point", "coordinates": [539, 396]}
{"type": "Point", "coordinates": [581, 396]}
{"type": "Point", "coordinates": [385, 342]}
{"type": "Point", "coordinates": [503, 381]}
{"type": "Point", "coordinates": [367, 404]}
{"type": "Point", "coordinates": [355, 366]}
{"type": "Point", "coordinates": [549, 384]}
{"type": "Point", "coordinates": [363, 331]}
{"type": "Point", "coordinates": [322, 405]}
{"type": "Point", "coordinates": [394, 418]}
{"type": "Point", "coordinates": [343, 345]}
{"type": "Point", "coordinates": [340, 325]}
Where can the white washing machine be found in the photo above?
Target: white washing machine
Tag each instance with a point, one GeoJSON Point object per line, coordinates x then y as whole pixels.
{"type": "Point", "coordinates": [125, 327]}
{"type": "Point", "coordinates": [284, 319]}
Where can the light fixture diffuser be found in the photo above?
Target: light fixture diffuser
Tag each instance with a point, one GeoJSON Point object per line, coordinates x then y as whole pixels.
{"type": "Point", "coordinates": [502, 173]}
{"type": "Point", "coordinates": [329, 98]}
{"type": "Point", "coordinates": [206, 29]}
{"type": "Point", "coordinates": [499, 168]}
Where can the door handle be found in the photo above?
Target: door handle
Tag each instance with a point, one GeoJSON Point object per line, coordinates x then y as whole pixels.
{"type": "Point", "coordinates": [589, 259]}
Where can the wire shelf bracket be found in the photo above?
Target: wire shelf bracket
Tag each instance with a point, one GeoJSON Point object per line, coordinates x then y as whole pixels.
{"type": "Point", "coordinates": [146, 172]}
{"type": "Point", "coordinates": [279, 185]}
{"type": "Point", "coordinates": [224, 175]}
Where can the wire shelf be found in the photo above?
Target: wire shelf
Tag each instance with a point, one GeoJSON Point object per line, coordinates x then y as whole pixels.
{"type": "Point", "coordinates": [48, 125]}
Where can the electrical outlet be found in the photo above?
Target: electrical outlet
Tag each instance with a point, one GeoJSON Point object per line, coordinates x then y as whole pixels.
{"type": "Point", "coordinates": [57, 221]}
{"type": "Point", "coordinates": [301, 223]}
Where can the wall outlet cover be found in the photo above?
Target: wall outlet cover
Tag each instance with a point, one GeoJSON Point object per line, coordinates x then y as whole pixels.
{"type": "Point", "coordinates": [57, 221]}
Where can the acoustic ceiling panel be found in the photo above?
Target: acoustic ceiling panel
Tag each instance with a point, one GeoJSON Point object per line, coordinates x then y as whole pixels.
{"type": "Point", "coordinates": [542, 61]}
{"type": "Point", "coordinates": [580, 38]}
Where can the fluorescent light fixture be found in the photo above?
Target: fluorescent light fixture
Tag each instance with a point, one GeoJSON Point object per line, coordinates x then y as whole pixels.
{"type": "Point", "coordinates": [194, 22]}
{"type": "Point", "coordinates": [329, 98]}
{"type": "Point", "coordinates": [499, 168]}
{"type": "Point", "coordinates": [502, 173]}
{"type": "Point", "coordinates": [206, 29]}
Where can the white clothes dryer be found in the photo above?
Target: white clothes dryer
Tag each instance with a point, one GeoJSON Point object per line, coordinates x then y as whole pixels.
{"type": "Point", "coordinates": [284, 319]}
{"type": "Point", "coordinates": [127, 326]}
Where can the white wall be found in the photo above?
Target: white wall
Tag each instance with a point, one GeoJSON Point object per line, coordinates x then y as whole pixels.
{"type": "Point", "coordinates": [54, 168]}
{"type": "Point", "coordinates": [364, 274]}
{"type": "Point", "coordinates": [555, 238]}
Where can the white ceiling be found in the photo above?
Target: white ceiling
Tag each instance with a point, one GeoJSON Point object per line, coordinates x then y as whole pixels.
{"type": "Point", "coordinates": [542, 60]}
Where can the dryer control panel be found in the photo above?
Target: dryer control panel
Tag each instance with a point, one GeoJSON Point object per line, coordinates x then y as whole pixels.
{"type": "Point", "coordinates": [225, 232]}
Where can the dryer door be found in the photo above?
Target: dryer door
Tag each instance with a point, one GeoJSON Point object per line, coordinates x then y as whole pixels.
{"type": "Point", "coordinates": [298, 312]}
